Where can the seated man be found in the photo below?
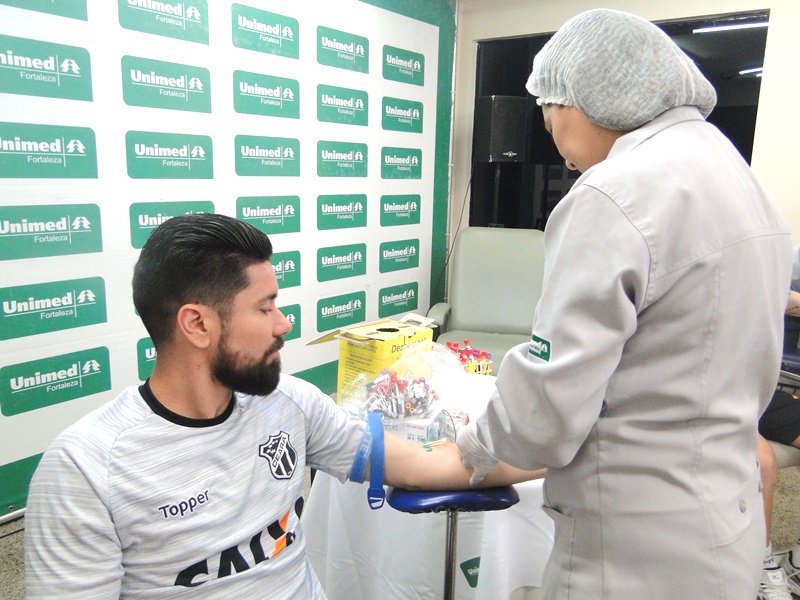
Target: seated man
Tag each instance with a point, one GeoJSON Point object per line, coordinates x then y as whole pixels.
{"type": "Point", "coordinates": [191, 485]}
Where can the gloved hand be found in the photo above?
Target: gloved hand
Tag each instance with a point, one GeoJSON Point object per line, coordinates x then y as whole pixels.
{"type": "Point", "coordinates": [474, 454]}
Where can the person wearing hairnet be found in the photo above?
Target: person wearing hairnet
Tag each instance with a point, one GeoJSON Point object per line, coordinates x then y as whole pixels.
{"type": "Point", "coordinates": [663, 299]}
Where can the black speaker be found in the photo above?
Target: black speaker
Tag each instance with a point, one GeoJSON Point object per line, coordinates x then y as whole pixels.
{"type": "Point", "coordinates": [499, 132]}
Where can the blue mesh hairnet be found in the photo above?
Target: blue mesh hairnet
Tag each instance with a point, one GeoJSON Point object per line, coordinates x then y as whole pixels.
{"type": "Point", "coordinates": [618, 69]}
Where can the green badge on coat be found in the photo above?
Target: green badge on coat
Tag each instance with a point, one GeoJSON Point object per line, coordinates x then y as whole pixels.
{"type": "Point", "coordinates": [540, 347]}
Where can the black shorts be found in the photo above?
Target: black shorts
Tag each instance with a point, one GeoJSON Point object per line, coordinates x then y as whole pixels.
{"type": "Point", "coordinates": [781, 421]}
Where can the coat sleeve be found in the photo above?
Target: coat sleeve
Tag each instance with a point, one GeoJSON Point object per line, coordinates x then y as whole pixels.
{"type": "Point", "coordinates": [550, 392]}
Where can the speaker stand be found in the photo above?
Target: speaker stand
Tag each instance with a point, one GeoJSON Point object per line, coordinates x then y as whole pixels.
{"type": "Point", "coordinates": [496, 197]}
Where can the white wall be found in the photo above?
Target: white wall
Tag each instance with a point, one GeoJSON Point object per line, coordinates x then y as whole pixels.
{"type": "Point", "coordinates": [776, 151]}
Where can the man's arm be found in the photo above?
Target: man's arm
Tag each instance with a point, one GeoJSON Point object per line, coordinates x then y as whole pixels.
{"type": "Point", "coordinates": [439, 467]}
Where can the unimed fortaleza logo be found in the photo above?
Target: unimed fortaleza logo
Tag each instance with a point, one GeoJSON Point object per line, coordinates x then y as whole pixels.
{"type": "Point", "coordinates": [49, 230]}
{"type": "Point", "coordinates": [399, 255]}
{"type": "Point", "coordinates": [146, 216]}
{"type": "Point", "coordinates": [34, 68]}
{"type": "Point", "coordinates": [36, 384]}
{"type": "Point", "coordinates": [342, 50]}
{"type": "Point", "coordinates": [52, 306]}
{"type": "Point", "coordinates": [287, 268]}
{"type": "Point", "coordinates": [267, 156]}
{"type": "Point", "coordinates": [341, 211]}
{"type": "Point", "coordinates": [294, 316]}
{"type": "Point", "coordinates": [256, 94]}
{"type": "Point", "coordinates": [156, 155]}
{"type": "Point", "coordinates": [342, 105]}
{"type": "Point", "coordinates": [185, 20]}
{"type": "Point", "coordinates": [341, 159]}
{"type": "Point", "coordinates": [340, 262]}
{"type": "Point", "coordinates": [401, 115]}
{"type": "Point", "coordinates": [401, 209]}
{"type": "Point", "coordinates": [74, 9]}
{"type": "Point", "coordinates": [270, 214]}
{"type": "Point", "coordinates": [30, 151]}
{"type": "Point", "coordinates": [401, 163]}
{"type": "Point", "coordinates": [398, 299]}
{"type": "Point", "coordinates": [145, 357]}
{"type": "Point", "coordinates": [341, 311]}
{"type": "Point", "coordinates": [403, 65]}
{"type": "Point", "coordinates": [264, 31]}
{"type": "Point", "coordinates": [159, 84]}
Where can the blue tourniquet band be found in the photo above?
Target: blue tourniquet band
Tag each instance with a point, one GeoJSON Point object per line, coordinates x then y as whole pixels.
{"type": "Point", "coordinates": [360, 461]}
{"type": "Point", "coordinates": [376, 494]}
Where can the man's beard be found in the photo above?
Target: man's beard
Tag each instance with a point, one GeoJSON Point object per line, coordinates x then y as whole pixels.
{"type": "Point", "coordinates": [257, 379]}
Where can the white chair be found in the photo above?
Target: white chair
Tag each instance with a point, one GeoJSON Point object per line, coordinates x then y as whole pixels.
{"type": "Point", "coordinates": [495, 284]}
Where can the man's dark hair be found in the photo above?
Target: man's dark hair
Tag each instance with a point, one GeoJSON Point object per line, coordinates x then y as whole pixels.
{"type": "Point", "coordinates": [198, 259]}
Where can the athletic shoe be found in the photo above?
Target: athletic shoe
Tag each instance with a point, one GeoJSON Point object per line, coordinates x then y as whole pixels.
{"type": "Point", "coordinates": [773, 585]}
{"type": "Point", "coordinates": [789, 563]}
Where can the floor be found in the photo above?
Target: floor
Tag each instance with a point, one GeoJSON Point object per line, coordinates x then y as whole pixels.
{"type": "Point", "coordinates": [784, 533]}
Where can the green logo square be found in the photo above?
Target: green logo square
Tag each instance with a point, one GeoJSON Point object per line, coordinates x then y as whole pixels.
{"type": "Point", "coordinates": [401, 163]}
{"type": "Point", "coordinates": [341, 311]}
{"type": "Point", "coordinates": [256, 94]}
{"type": "Point", "coordinates": [341, 159]}
{"type": "Point", "coordinates": [402, 115]}
{"type": "Point", "coordinates": [34, 68]}
{"type": "Point", "coordinates": [293, 315]}
{"type": "Point", "coordinates": [404, 66]}
{"type": "Point", "coordinates": [341, 211]}
{"type": "Point", "coordinates": [145, 357]}
{"type": "Point", "coordinates": [342, 105]}
{"type": "Point", "coordinates": [157, 155]}
{"type": "Point", "coordinates": [36, 384]}
{"type": "Point", "coordinates": [399, 255]}
{"type": "Point", "coordinates": [159, 84]}
{"type": "Point", "coordinates": [267, 156]}
{"type": "Point", "coordinates": [341, 262]}
{"type": "Point", "coordinates": [270, 214]}
{"type": "Point", "coordinates": [264, 31]}
{"type": "Point", "coordinates": [29, 151]}
{"type": "Point", "coordinates": [287, 268]}
{"type": "Point", "coordinates": [37, 231]}
{"type": "Point", "coordinates": [186, 20]}
{"type": "Point", "coordinates": [540, 347]}
{"type": "Point", "coordinates": [403, 209]}
{"type": "Point", "coordinates": [342, 50]}
{"type": "Point", "coordinates": [398, 299]}
{"type": "Point", "coordinates": [74, 9]}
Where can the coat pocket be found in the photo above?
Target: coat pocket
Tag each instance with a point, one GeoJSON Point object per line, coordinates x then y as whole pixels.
{"type": "Point", "coordinates": [732, 514]}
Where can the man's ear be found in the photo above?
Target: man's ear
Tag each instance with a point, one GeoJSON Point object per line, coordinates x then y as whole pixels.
{"type": "Point", "coordinates": [198, 324]}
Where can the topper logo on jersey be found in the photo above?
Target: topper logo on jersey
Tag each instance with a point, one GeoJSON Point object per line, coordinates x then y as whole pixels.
{"type": "Point", "coordinates": [403, 65]}
{"type": "Point", "coordinates": [34, 68]}
{"type": "Point", "coordinates": [34, 231]}
{"type": "Point", "coordinates": [280, 454]}
{"type": "Point", "coordinates": [185, 20]}
{"type": "Point", "coordinates": [263, 31]}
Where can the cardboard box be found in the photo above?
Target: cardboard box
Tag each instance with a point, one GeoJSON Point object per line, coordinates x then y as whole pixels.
{"type": "Point", "coordinates": [371, 347]}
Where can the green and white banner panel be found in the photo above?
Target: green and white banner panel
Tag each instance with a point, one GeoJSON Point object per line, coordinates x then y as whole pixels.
{"type": "Point", "coordinates": [324, 123]}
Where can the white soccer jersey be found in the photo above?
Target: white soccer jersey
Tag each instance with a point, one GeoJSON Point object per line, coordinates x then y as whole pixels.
{"type": "Point", "coordinates": [136, 502]}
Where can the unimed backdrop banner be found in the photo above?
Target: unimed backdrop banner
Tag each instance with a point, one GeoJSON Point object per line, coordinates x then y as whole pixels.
{"type": "Point", "coordinates": [323, 123]}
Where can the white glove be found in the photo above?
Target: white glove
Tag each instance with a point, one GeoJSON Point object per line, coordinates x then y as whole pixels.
{"type": "Point", "coordinates": [474, 454]}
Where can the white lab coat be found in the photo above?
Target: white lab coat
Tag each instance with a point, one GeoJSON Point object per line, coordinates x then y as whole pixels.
{"type": "Point", "coordinates": [665, 283]}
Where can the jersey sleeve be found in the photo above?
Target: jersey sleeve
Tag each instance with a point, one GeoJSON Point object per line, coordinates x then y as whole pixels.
{"type": "Point", "coordinates": [550, 391]}
{"type": "Point", "coordinates": [71, 547]}
{"type": "Point", "coordinates": [333, 434]}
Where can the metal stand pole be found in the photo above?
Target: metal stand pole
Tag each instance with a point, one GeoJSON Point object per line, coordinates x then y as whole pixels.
{"type": "Point", "coordinates": [450, 556]}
